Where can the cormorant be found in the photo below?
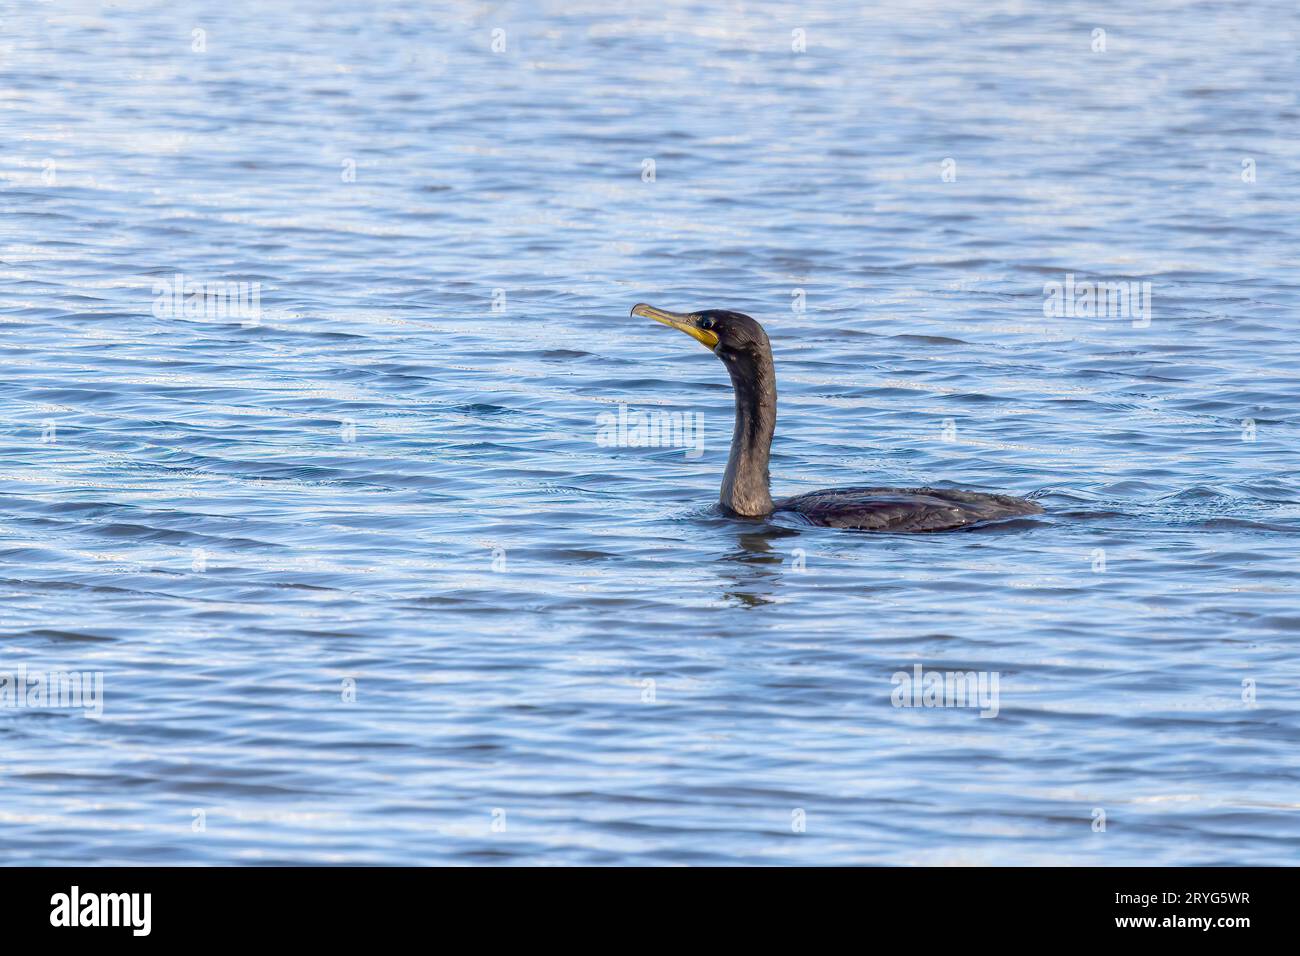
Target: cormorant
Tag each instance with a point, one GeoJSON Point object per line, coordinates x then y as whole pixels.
{"type": "Point", "coordinates": [742, 345]}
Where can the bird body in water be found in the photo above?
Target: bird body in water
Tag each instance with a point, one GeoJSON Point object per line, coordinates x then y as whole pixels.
{"type": "Point", "coordinates": [742, 345]}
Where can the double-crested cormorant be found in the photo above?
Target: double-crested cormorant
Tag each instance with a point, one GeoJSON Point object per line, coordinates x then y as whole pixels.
{"type": "Point", "coordinates": [742, 345]}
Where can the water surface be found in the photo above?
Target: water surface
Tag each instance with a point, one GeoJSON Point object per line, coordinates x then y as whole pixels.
{"type": "Point", "coordinates": [363, 585]}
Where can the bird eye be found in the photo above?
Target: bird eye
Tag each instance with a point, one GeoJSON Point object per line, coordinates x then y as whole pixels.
{"type": "Point", "coordinates": [705, 323]}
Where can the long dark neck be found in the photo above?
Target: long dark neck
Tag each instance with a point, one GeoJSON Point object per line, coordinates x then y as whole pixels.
{"type": "Point", "coordinates": [745, 485]}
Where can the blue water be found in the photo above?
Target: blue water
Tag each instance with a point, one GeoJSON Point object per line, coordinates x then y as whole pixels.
{"type": "Point", "coordinates": [364, 587]}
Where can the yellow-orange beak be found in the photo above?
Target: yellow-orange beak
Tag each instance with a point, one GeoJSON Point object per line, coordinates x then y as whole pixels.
{"type": "Point", "coordinates": [679, 321]}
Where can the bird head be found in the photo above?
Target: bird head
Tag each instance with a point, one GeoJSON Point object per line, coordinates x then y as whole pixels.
{"type": "Point", "coordinates": [728, 335]}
